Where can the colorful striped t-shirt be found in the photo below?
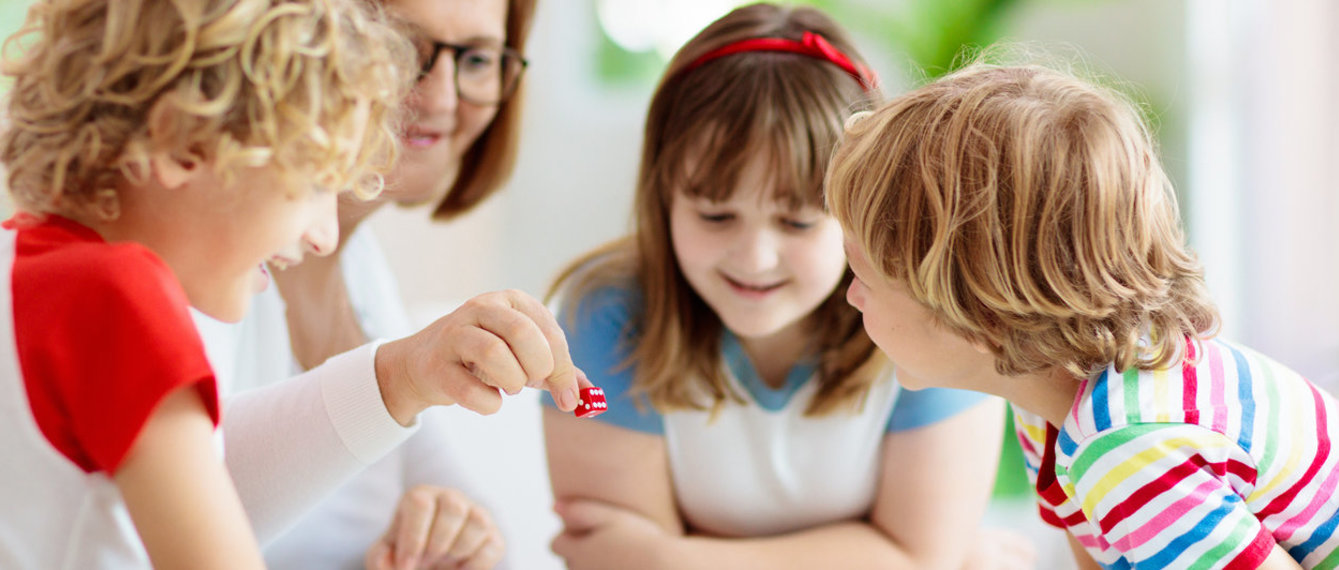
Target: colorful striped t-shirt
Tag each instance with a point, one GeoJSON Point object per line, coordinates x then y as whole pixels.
{"type": "Point", "coordinates": [1205, 465]}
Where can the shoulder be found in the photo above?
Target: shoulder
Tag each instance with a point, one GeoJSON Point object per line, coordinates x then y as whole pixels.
{"type": "Point", "coordinates": [607, 307]}
{"type": "Point", "coordinates": [919, 408]}
{"type": "Point", "coordinates": [72, 266]}
{"type": "Point", "coordinates": [600, 329]}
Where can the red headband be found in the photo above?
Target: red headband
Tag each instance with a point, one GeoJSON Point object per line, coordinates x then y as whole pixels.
{"type": "Point", "coordinates": [811, 44]}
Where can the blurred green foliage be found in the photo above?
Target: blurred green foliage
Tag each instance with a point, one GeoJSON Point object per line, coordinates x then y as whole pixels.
{"type": "Point", "coordinates": [12, 14]}
{"type": "Point", "coordinates": [930, 33]}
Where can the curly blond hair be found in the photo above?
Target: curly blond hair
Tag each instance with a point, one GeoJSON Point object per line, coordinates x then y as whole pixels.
{"type": "Point", "coordinates": [1028, 211]}
{"type": "Point", "coordinates": [309, 86]}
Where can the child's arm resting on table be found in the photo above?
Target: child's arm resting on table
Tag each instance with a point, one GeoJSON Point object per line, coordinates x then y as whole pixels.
{"type": "Point", "coordinates": [616, 499]}
{"type": "Point", "coordinates": [600, 461]}
{"type": "Point", "coordinates": [179, 494]}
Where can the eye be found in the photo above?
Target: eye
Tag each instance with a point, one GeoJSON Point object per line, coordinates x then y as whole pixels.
{"type": "Point", "coordinates": [796, 224]}
{"type": "Point", "coordinates": [715, 218]}
{"type": "Point", "coordinates": [479, 60]}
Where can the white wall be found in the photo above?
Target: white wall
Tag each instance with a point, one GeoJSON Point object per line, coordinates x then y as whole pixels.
{"type": "Point", "coordinates": [1267, 130]}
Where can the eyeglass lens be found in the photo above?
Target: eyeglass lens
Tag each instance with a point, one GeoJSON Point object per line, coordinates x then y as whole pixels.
{"type": "Point", "coordinates": [483, 74]}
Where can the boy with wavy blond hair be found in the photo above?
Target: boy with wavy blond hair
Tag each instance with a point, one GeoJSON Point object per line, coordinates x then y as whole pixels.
{"type": "Point", "coordinates": [1012, 232]}
{"type": "Point", "coordinates": [160, 153]}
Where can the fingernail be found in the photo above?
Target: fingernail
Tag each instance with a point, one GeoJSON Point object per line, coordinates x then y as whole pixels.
{"type": "Point", "coordinates": [570, 399]}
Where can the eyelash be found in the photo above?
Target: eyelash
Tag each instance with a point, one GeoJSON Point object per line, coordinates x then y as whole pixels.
{"type": "Point", "coordinates": [794, 225]}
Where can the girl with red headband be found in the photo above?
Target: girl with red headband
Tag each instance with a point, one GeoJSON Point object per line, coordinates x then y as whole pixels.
{"type": "Point", "coordinates": [751, 421]}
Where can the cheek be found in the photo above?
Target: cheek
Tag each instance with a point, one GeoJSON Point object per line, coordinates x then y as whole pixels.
{"type": "Point", "coordinates": [474, 120]}
{"type": "Point", "coordinates": [693, 247]}
{"type": "Point", "coordinates": [823, 258]}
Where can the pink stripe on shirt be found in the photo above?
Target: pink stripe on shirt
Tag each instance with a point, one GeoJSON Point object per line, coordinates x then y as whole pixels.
{"type": "Point", "coordinates": [1167, 517]}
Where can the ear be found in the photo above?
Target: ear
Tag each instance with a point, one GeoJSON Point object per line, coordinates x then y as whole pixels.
{"type": "Point", "coordinates": [173, 171]}
{"type": "Point", "coordinates": [171, 166]}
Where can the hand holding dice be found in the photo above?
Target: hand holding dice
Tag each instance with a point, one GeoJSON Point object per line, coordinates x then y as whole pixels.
{"type": "Point", "coordinates": [592, 403]}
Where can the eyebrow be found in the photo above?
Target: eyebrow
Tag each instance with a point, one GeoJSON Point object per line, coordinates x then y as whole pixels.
{"type": "Point", "coordinates": [420, 32]}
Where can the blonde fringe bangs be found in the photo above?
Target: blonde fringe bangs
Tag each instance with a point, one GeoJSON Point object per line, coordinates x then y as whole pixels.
{"type": "Point", "coordinates": [1028, 210]}
{"type": "Point", "coordinates": [310, 86]}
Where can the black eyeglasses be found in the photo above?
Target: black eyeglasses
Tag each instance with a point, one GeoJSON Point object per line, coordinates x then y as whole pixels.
{"type": "Point", "coordinates": [484, 75]}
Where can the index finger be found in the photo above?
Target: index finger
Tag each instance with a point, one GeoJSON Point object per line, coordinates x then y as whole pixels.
{"type": "Point", "coordinates": [563, 382]}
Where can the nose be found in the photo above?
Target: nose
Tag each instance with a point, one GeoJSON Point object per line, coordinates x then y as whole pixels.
{"type": "Point", "coordinates": [756, 251]}
{"type": "Point", "coordinates": [322, 235]}
{"type": "Point", "coordinates": [436, 91]}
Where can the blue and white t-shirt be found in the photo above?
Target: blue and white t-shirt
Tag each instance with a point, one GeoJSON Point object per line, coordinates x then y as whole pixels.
{"type": "Point", "coordinates": [758, 468]}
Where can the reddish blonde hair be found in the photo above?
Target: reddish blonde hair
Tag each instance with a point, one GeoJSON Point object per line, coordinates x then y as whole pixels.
{"type": "Point", "coordinates": [1028, 210]}
{"type": "Point", "coordinates": [784, 108]}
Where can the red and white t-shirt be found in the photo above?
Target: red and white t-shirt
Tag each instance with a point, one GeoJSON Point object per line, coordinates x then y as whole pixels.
{"type": "Point", "coordinates": [96, 334]}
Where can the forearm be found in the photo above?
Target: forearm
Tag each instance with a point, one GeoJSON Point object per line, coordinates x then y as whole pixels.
{"type": "Point", "coordinates": [290, 444]}
{"type": "Point", "coordinates": [852, 545]}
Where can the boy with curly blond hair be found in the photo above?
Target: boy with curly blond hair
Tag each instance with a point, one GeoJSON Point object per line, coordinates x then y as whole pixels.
{"type": "Point", "coordinates": [160, 153]}
{"type": "Point", "coordinates": [1012, 232]}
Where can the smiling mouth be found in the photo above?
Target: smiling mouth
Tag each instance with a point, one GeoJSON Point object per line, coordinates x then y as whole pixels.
{"type": "Point", "coordinates": [419, 139]}
{"type": "Point", "coordinates": [280, 263]}
{"type": "Point", "coordinates": [749, 288]}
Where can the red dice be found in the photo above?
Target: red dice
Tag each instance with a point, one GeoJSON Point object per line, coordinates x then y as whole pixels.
{"type": "Point", "coordinates": [592, 403]}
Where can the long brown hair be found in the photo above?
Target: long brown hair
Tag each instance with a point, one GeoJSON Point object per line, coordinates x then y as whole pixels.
{"type": "Point", "coordinates": [719, 117]}
{"type": "Point", "coordinates": [489, 162]}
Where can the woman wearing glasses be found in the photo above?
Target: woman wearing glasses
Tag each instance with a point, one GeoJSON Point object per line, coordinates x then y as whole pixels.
{"type": "Point", "coordinates": [459, 147]}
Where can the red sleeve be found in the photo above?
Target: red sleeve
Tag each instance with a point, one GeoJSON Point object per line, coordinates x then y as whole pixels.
{"type": "Point", "coordinates": [104, 333]}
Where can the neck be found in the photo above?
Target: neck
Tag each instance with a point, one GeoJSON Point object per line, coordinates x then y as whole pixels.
{"type": "Point", "coordinates": [773, 356]}
{"type": "Point", "coordinates": [352, 212]}
{"type": "Point", "coordinates": [1048, 393]}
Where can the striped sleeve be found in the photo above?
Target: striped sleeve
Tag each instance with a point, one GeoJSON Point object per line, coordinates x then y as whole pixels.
{"type": "Point", "coordinates": [1163, 495]}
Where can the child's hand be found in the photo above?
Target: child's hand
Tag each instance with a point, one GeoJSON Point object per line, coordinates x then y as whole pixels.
{"type": "Point", "coordinates": [435, 527]}
{"type": "Point", "coordinates": [597, 535]}
{"type": "Point", "coordinates": [502, 341]}
{"type": "Point", "coordinates": [1001, 549]}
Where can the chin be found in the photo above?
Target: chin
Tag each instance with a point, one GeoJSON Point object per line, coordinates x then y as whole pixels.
{"type": "Point", "coordinates": [420, 184]}
{"type": "Point", "coordinates": [228, 314]}
{"type": "Point", "coordinates": [754, 329]}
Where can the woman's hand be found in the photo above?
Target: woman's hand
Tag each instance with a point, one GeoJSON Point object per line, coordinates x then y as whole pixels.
{"type": "Point", "coordinates": [495, 342]}
{"type": "Point", "coordinates": [437, 528]}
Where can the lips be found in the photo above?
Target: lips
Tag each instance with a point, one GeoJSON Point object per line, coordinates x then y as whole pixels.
{"type": "Point", "coordinates": [753, 288]}
{"type": "Point", "coordinates": [420, 138]}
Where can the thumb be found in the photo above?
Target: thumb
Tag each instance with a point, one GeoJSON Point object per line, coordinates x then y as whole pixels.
{"type": "Point", "coordinates": [565, 385]}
